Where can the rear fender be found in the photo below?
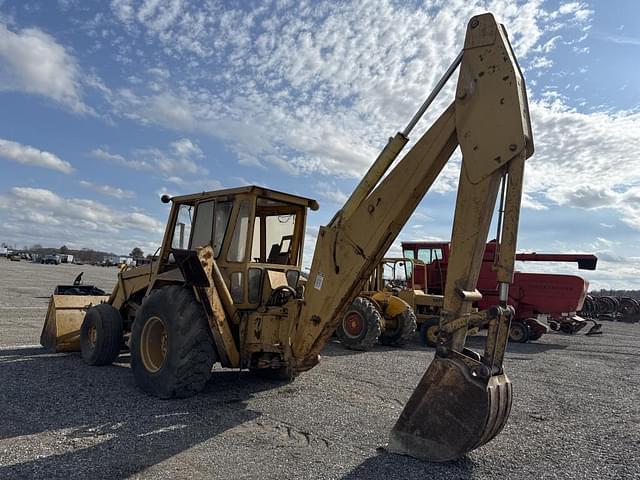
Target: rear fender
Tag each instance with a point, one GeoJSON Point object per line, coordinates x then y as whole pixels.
{"type": "Point", "coordinates": [391, 306]}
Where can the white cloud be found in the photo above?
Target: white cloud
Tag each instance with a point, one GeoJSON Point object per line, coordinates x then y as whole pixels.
{"type": "Point", "coordinates": [28, 155]}
{"type": "Point", "coordinates": [102, 154]}
{"type": "Point", "coordinates": [529, 202]}
{"type": "Point", "coordinates": [331, 193]}
{"type": "Point", "coordinates": [585, 160]}
{"type": "Point", "coordinates": [28, 208]}
{"type": "Point", "coordinates": [181, 158]}
{"type": "Point", "coordinates": [623, 40]}
{"type": "Point", "coordinates": [32, 61]}
{"type": "Point", "coordinates": [319, 88]}
{"type": "Point", "coordinates": [108, 190]}
{"type": "Point", "coordinates": [186, 148]}
{"type": "Point", "coordinates": [190, 186]}
{"type": "Point", "coordinates": [123, 9]}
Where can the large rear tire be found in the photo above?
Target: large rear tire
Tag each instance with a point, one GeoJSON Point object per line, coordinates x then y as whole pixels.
{"type": "Point", "coordinates": [172, 351]}
{"type": "Point", "coordinates": [101, 335]}
{"type": "Point", "coordinates": [361, 325]}
{"type": "Point", "coordinates": [406, 325]}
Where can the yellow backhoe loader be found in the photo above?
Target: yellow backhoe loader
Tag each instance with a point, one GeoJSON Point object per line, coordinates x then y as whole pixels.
{"type": "Point", "coordinates": [225, 285]}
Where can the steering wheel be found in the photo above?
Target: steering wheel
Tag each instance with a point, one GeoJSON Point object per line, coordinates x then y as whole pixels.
{"type": "Point", "coordinates": [281, 295]}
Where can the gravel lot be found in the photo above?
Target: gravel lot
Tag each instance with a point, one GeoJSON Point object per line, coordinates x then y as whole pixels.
{"type": "Point", "coordinates": [575, 413]}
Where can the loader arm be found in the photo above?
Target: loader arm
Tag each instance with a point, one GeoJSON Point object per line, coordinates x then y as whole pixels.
{"type": "Point", "coordinates": [489, 119]}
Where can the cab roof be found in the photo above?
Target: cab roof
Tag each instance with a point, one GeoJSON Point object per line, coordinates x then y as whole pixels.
{"type": "Point", "coordinates": [250, 190]}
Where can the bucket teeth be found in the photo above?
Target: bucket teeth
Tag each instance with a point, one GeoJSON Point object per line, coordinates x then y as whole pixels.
{"type": "Point", "coordinates": [451, 412]}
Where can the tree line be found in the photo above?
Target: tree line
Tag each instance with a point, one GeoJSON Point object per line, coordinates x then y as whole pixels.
{"type": "Point", "coordinates": [86, 255]}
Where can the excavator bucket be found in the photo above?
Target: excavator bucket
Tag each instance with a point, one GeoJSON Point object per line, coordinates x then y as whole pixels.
{"type": "Point", "coordinates": [454, 410]}
{"type": "Point", "coordinates": [61, 330]}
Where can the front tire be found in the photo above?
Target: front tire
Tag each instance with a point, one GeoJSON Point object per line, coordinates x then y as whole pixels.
{"type": "Point", "coordinates": [429, 332]}
{"type": "Point", "coordinates": [404, 331]}
{"type": "Point", "coordinates": [101, 335]}
{"type": "Point", "coordinates": [172, 350]}
{"type": "Point", "coordinates": [361, 325]}
{"type": "Point", "coordinates": [518, 333]}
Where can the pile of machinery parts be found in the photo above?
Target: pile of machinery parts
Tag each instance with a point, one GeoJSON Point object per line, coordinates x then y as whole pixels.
{"type": "Point", "coordinates": [224, 287]}
{"type": "Point", "coordinates": [611, 308]}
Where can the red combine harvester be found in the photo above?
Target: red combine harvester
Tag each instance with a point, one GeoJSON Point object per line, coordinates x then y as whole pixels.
{"type": "Point", "coordinates": [538, 298]}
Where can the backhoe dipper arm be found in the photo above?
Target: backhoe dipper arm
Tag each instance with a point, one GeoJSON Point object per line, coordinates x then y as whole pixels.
{"type": "Point", "coordinates": [463, 399]}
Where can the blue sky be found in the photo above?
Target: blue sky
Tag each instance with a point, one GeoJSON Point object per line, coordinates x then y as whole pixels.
{"type": "Point", "coordinates": [106, 105]}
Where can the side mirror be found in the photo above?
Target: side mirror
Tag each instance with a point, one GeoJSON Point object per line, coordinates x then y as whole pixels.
{"type": "Point", "coordinates": [165, 198]}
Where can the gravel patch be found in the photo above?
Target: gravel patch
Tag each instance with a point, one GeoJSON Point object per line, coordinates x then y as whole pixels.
{"type": "Point", "coordinates": [575, 413]}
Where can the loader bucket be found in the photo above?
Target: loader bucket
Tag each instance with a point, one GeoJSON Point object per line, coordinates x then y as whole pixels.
{"type": "Point", "coordinates": [451, 412]}
{"type": "Point", "coordinates": [61, 330]}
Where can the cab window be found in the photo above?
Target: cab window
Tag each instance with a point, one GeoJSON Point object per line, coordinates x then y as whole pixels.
{"type": "Point", "coordinates": [273, 232]}
{"type": "Point", "coordinates": [202, 225]}
{"type": "Point", "coordinates": [424, 254]}
{"type": "Point", "coordinates": [238, 246]}
{"type": "Point", "coordinates": [395, 273]}
{"type": "Point", "coordinates": [182, 230]}
{"type": "Point", "coordinates": [428, 255]}
{"type": "Point", "coordinates": [210, 224]}
{"type": "Point", "coordinates": [221, 215]}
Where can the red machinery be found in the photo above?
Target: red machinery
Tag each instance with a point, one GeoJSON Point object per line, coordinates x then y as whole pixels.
{"type": "Point", "coordinates": [536, 297]}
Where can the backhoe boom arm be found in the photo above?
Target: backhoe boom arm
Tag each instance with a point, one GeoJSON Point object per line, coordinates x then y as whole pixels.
{"type": "Point", "coordinates": [489, 119]}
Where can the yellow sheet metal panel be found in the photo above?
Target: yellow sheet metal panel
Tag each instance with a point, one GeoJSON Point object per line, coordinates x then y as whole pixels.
{"type": "Point", "coordinates": [392, 305]}
{"type": "Point", "coordinates": [217, 314]}
{"type": "Point", "coordinates": [490, 86]}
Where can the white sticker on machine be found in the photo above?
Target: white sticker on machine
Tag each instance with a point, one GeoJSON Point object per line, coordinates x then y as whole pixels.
{"type": "Point", "coordinates": [318, 283]}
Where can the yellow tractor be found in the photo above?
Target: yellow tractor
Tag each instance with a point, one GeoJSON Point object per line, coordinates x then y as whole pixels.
{"type": "Point", "coordinates": [385, 311]}
{"type": "Point", "coordinates": [225, 285]}
{"type": "Point", "coordinates": [391, 308]}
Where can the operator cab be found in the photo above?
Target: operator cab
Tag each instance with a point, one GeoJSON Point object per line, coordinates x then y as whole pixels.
{"type": "Point", "coordinates": [257, 237]}
{"type": "Point", "coordinates": [396, 274]}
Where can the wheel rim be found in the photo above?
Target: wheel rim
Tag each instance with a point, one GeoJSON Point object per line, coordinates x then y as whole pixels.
{"type": "Point", "coordinates": [392, 326]}
{"type": "Point", "coordinates": [93, 336]}
{"type": "Point", "coordinates": [432, 333]}
{"type": "Point", "coordinates": [516, 334]}
{"type": "Point", "coordinates": [153, 344]}
{"type": "Point", "coordinates": [353, 324]}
